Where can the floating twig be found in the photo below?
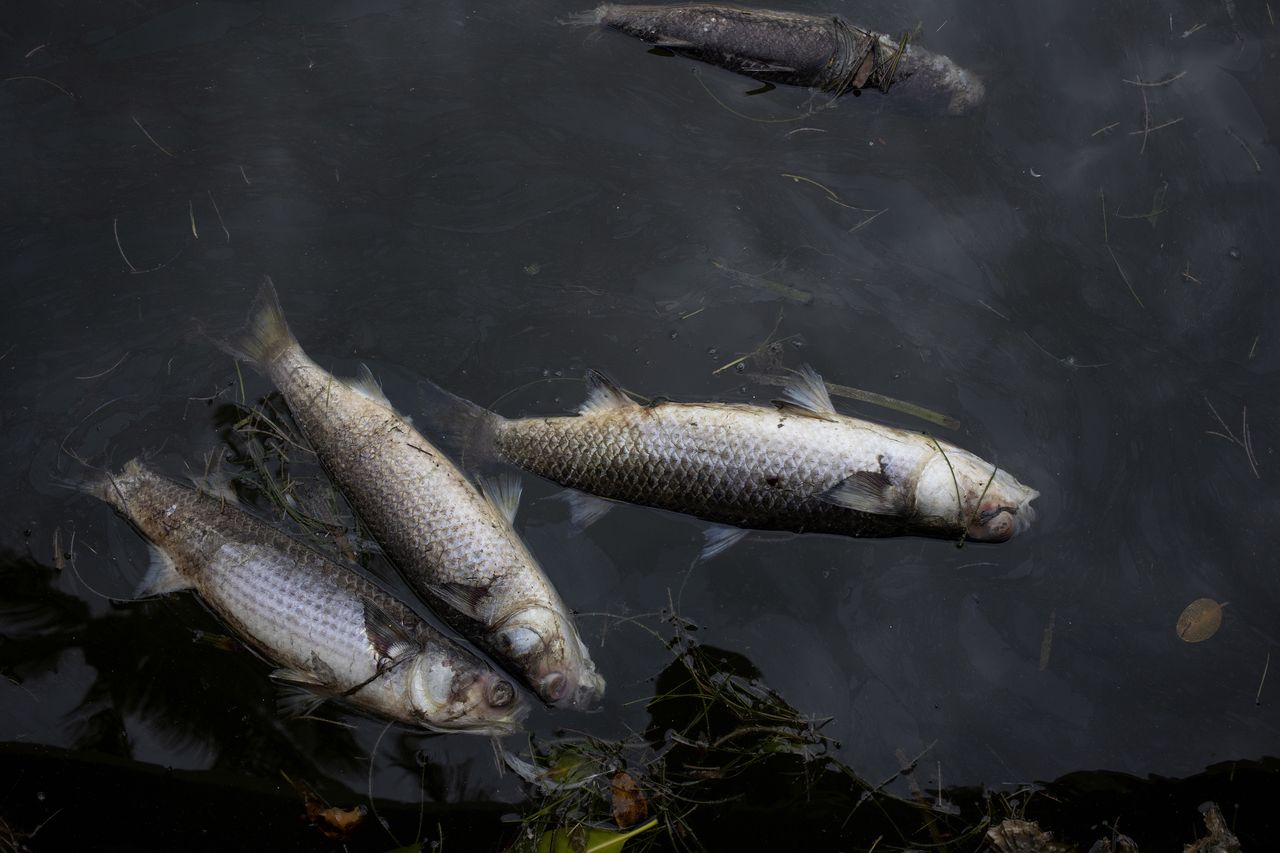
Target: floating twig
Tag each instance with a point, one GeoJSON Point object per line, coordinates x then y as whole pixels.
{"type": "Point", "coordinates": [1244, 441]}
{"type": "Point", "coordinates": [115, 228]}
{"type": "Point", "coordinates": [1257, 699]}
{"type": "Point", "coordinates": [1197, 28]}
{"type": "Point", "coordinates": [41, 79]}
{"type": "Point", "coordinates": [108, 370]}
{"type": "Point", "coordinates": [1165, 81]}
{"type": "Point", "coordinates": [149, 136]}
{"type": "Point", "coordinates": [1105, 129]}
{"type": "Point", "coordinates": [993, 311]}
{"type": "Point", "coordinates": [1125, 277]}
{"type": "Point", "coordinates": [767, 341]}
{"type": "Point", "coordinates": [1147, 130]}
{"type": "Point", "coordinates": [191, 211]}
{"type": "Point", "coordinates": [1256, 165]}
{"type": "Point", "coordinates": [246, 177]}
{"type": "Point", "coordinates": [869, 397]}
{"type": "Point", "coordinates": [34, 51]}
{"type": "Point", "coordinates": [219, 215]}
{"type": "Point", "coordinates": [872, 218]}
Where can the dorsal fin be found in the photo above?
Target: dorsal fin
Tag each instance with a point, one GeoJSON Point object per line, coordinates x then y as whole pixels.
{"type": "Point", "coordinates": [503, 494]}
{"type": "Point", "coordinates": [808, 393]}
{"type": "Point", "coordinates": [367, 385]}
{"type": "Point", "coordinates": [603, 395]}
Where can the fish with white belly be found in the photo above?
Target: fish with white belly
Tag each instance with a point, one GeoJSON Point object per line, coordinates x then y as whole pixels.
{"type": "Point", "coordinates": [333, 632]}
{"type": "Point", "coordinates": [454, 543]}
{"type": "Point", "coordinates": [799, 466]}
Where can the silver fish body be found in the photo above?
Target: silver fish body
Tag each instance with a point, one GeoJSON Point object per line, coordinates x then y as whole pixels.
{"type": "Point", "coordinates": [454, 545]}
{"type": "Point", "coordinates": [800, 466]}
{"type": "Point", "coordinates": [329, 629]}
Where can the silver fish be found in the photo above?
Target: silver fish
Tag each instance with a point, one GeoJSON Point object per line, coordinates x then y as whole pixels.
{"type": "Point", "coordinates": [332, 632]}
{"type": "Point", "coordinates": [454, 545]}
{"type": "Point", "coordinates": [800, 466]}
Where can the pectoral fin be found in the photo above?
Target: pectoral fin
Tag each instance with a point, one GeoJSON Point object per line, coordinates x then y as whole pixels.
{"type": "Point", "coordinates": [389, 639]}
{"type": "Point", "coordinates": [461, 597]}
{"type": "Point", "coordinates": [868, 491]}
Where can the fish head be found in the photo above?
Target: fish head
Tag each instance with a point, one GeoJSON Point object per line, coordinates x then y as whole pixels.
{"type": "Point", "coordinates": [554, 659]}
{"type": "Point", "coordinates": [993, 505]}
{"type": "Point", "coordinates": [447, 696]}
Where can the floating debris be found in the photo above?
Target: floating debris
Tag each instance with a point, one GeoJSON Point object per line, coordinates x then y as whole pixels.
{"type": "Point", "coordinates": [1200, 620]}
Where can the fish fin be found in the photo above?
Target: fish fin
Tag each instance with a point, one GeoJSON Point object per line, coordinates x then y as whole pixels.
{"type": "Point", "coordinates": [866, 491]}
{"type": "Point", "coordinates": [584, 509]}
{"type": "Point", "coordinates": [503, 494]}
{"type": "Point", "coordinates": [162, 575]}
{"type": "Point", "coordinates": [216, 483]}
{"type": "Point", "coordinates": [390, 641]}
{"type": "Point", "coordinates": [461, 427]}
{"type": "Point", "coordinates": [808, 393]}
{"type": "Point", "coordinates": [717, 540]}
{"type": "Point", "coordinates": [266, 334]}
{"type": "Point", "coordinates": [297, 693]}
{"type": "Point", "coordinates": [367, 385]}
{"type": "Point", "coordinates": [464, 598]}
{"type": "Point", "coordinates": [603, 395]}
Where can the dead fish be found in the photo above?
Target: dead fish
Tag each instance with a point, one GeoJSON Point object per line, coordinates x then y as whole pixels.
{"type": "Point", "coordinates": [825, 53]}
{"type": "Point", "coordinates": [454, 545]}
{"type": "Point", "coordinates": [332, 632]}
{"type": "Point", "coordinates": [800, 466]}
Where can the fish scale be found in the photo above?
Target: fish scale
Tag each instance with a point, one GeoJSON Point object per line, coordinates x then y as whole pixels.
{"type": "Point", "coordinates": [330, 629]}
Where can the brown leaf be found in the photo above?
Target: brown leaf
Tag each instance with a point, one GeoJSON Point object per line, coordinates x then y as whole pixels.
{"type": "Point", "coordinates": [334, 823]}
{"type": "Point", "coordinates": [1200, 620]}
{"type": "Point", "coordinates": [629, 805]}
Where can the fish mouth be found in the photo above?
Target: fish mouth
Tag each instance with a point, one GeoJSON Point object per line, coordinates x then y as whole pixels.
{"type": "Point", "coordinates": [1002, 522]}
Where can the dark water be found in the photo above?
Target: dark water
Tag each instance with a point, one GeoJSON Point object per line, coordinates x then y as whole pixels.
{"type": "Point", "coordinates": [482, 196]}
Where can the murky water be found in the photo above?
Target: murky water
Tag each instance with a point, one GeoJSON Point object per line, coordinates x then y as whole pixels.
{"type": "Point", "coordinates": [1079, 273]}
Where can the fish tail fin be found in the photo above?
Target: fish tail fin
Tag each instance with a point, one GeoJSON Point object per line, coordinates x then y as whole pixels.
{"type": "Point", "coordinates": [468, 431]}
{"type": "Point", "coordinates": [265, 335]}
{"type": "Point", "coordinates": [100, 483]}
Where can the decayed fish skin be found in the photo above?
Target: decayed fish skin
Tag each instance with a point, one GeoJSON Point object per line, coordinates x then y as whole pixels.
{"type": "Point", "coordinates": [794, 49]}
{"type": "Point", "coordinates": [455, 546]}
{"type": "Point", "coordinates": [331, 630]}
{"type": "Point", "coordinates": [800, 466]}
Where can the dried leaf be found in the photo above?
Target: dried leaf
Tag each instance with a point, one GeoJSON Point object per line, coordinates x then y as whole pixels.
{"type": "Point", "coordinates": [1220, 839]}
{"type": "Point", "coordinates": [1200, 620]}
{"type": "Point", "coordinates": [334, 823]}
{"type": "Point", "coordinates": [1023, 836]}
{"type": "Point", "coordinates": [629, 804]}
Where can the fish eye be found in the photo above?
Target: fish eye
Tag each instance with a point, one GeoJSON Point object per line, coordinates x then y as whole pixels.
{"type": "Point", "coordinates": [501, 694]}
{"type": "Point", "coordinates": [520, 641]}
{"type": "Point", "coordinates": [553, 686]}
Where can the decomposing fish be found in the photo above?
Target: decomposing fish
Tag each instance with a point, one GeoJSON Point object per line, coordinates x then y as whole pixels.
{"type": "Point", "coordinates": [454, 544]}
{"type": "Point", "coordinates": [799, 466]}
{"type": "Point", "coordinates": [825, 53]}
{"type": "Point", "coordinates": [333, 632]}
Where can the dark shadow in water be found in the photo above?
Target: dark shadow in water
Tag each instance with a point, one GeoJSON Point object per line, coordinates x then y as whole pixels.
{"type": "Point", "coordinates": [167, 662]}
